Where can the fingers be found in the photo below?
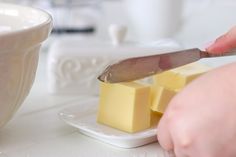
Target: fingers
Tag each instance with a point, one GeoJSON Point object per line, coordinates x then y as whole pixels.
{"type": "Point", "coordinates": [224, 43]}
{"type": "Point", "coordinates": [163, 135]}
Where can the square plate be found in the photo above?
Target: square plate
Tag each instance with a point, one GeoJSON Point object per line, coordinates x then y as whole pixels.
{"type": "Point", "coordinates": [82, 115]}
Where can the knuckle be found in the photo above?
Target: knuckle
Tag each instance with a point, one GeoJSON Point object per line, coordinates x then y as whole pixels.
{"type": "Point", "coordinates": [185, 142]}
{"type": "Point", "coordinates": [182, 133]}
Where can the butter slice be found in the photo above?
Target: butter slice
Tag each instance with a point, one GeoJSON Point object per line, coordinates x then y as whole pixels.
{"type": "Point", "coordinates": [125, 106]}
{"type": "Point", "coordinates": [179, 77]}
{"type": "Point", "coordinates": [161, 97]}
{"type": "Point", "coordinates": [168, 83]}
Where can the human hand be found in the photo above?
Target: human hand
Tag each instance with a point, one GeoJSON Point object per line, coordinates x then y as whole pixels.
{"type": "Point", "coordinates": [201, 120]}
{"type": "Point", "coordinates": [224, 43]}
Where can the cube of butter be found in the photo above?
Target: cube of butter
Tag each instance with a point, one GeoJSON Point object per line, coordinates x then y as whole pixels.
{"type": "Point", "coordinates": [125, 106]}
{"type": "Point", "coordinates": [161, 97]}
{"type": "Point", "coordinates": [177, 78]}
{"type": "Point", "coordinates": [168, 83]}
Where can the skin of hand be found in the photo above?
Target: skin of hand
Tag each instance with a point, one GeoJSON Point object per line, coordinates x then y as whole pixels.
{"type": "Point", "coordinates": [224, 43]}
{"type": "Point", "coordinates": [200, 121]}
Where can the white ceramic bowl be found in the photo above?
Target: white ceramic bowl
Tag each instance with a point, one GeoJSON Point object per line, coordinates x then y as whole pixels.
{"type": "Point", "coordinates": [22, 30]}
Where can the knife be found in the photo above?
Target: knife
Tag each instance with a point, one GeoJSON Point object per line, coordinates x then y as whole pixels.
{"type": "Point", "coordinates": [139, 67]}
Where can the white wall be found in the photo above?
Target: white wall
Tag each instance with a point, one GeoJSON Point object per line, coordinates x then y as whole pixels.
{"type": "Point", "coordinates": [204, 20]}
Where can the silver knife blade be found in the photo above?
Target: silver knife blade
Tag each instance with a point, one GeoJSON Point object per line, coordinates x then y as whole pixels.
{"type": "Point", "coordinates": [139, 67]}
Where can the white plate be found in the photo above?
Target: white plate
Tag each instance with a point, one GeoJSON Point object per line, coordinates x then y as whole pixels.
{"type": "Point", "coordinates": [82, 115]}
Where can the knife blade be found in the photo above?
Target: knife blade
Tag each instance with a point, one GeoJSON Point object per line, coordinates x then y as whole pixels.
{"type": "Point", "coordinates": [139, 67]}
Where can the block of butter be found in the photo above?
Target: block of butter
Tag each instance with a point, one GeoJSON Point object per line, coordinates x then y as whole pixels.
{"type": "Point", "coordinates": [168, 83]}
{"type": "Point", "coordinates": [125, 106]}
{"type": "Point", "coordinates": [161, 97]}
{"type": "Point", "coordinates": [177, 78]}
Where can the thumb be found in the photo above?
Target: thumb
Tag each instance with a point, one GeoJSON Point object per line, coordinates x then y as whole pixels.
{"type": "Point", "coordinates": [224, 43]}
{"type": "Point", "coordinates": [163, 135]}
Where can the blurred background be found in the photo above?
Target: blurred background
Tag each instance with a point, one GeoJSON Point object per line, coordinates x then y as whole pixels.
{"type": "Point", "coordinates": [198, 21]}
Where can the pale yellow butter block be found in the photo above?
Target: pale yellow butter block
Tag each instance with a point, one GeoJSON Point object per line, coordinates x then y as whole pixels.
{"type": "Point", "coordinates": [125, 106]}
{"type": "Point", "coordinates": [168, 83]}
{"type": "Point", "coordinates": [179, 77]}
{"type": "Point", "coordinates": [161, 97]}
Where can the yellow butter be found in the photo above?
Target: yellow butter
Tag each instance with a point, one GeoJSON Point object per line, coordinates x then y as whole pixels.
{"type": "Point", "coordinates": [168, 83]}
{"type": "Point", "coordinates": [125, 106]}
{"type": "Point", "coordinates": [177, 78]}
{"type": "Point", "coordinates": [161, 97]}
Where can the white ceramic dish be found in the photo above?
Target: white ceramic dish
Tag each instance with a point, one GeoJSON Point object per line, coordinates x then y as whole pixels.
{"type": "Point", "coordinates": [82, 115]}
{"type": "Point", "coordinates": [22, 31]}
{"type": "Point", "coordinates": [74, 62]}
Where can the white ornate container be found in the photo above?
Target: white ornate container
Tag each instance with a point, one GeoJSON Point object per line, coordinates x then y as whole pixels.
{"type": "Point", "coordinates": [22, 30]}
{"type": "Point", "coordinates": [74, 63]}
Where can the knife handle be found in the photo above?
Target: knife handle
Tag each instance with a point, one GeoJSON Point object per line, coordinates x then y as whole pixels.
{"type": "Point", "coordinates": [205, 54]}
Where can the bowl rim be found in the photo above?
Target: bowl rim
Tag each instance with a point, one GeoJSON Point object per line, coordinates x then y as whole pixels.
{"type": "Point", "coordinates": [21, 39]}
{"type": "Point", "coordinates": [45, 22]}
